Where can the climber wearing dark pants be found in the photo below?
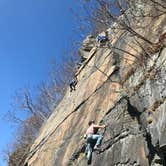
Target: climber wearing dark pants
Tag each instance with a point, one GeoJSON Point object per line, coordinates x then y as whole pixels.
{"type": "Point", "coordinates": [73, 84]}
{"type": "Point", "coordinates": [102, 39]}
{"type": "Point", "coordinates": [91, 134]}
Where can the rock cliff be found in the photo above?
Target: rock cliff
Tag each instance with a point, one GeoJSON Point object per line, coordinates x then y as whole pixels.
{"type": "Point", "coordinates": [121, 87]}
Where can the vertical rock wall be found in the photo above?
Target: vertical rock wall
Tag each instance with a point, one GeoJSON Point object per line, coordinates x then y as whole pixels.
{"type": "Point", "coordinates": [124, 92]}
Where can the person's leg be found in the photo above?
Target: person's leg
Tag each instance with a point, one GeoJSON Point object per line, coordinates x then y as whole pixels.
{"type": "Point", "coordinates": [99, 43]}
{"type": "Point", "coordinates": [74, 86]}
{"type": "Point", "coordinates": [98, 139]}
{"type": "Point", "coordinates": [89, 140]}
{"type": "Point", "coordinates": [71, 87]}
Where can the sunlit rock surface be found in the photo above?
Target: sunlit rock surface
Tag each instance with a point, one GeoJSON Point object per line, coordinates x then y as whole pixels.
{"type": "Point", "coordinates": [120, 90]}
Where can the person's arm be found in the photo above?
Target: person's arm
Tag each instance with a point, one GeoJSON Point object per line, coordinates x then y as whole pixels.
{"type": "Point", "coordinates": [99, 126]}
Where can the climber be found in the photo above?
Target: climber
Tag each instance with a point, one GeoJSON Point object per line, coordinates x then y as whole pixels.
{"type": "Point", "coordinates": [101, 39]}
{"type": "Point", "coordinates": [91, 134]}
{"type": "Point", "coordinates": [73, 84]}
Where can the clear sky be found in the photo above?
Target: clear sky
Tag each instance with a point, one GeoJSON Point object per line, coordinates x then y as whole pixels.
{"type": "Point", "coordinates": [32, 32]}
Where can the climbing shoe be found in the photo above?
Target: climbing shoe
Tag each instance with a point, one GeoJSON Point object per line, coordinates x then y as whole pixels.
{"type": "Point", "coordinates": [96, 147]}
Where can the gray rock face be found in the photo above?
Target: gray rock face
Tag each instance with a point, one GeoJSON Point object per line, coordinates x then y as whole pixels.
{"type": "Point", "coordinates": [149, 100]}
{"type": "Point", "coordinates": [126, 145]}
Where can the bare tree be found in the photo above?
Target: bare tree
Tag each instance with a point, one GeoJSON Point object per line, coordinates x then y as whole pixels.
{"type": "Point", "coordinates": [102, 13]}
{"type": "Point", "coordinates": [29, 111]}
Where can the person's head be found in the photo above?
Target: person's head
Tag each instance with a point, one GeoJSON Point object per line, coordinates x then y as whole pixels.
{"type": "Point", "coordinates": [91, 122]}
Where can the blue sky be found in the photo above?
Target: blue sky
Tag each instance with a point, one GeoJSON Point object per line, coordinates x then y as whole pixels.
{"type": "Point", "coordinates": [32, 33]}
